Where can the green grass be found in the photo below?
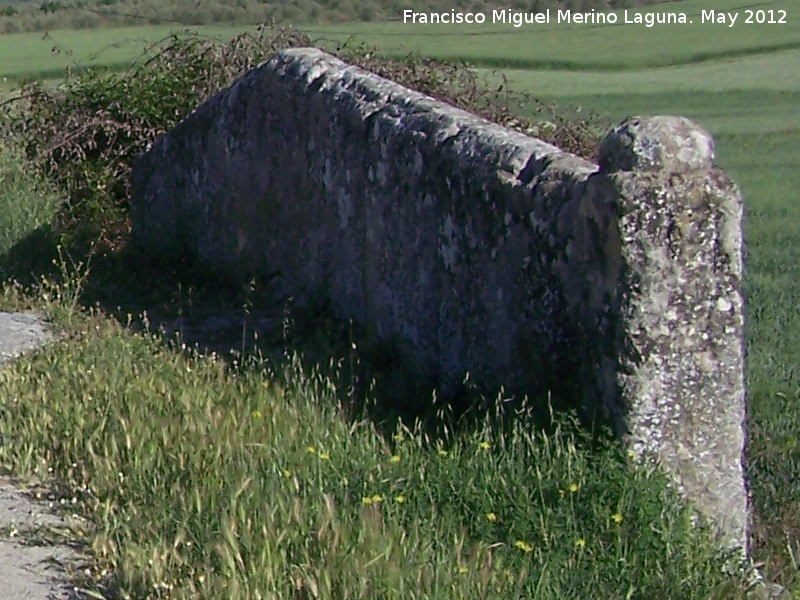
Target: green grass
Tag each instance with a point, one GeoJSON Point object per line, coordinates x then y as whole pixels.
{"type": "Point", "coordinates": [26, 203]}
{"type": "Point", "coordinates": [38, 56]}
{"type": "Point", "coordinates": [553, 46]}
{"type": "Point", "coordinates": [200, 477]}
{"type": "Point", "coordinates": [582, 47]}
{"type": "Point", "coordinates": [111, 13]}
{"type": "Point", "coordinates": [205, 482]}
{"type": "Point", "coordinates": [773, 72]}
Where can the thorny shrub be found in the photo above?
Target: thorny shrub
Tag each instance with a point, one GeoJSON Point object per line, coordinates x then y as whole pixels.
{"type": "Point", "coordinates": [461, 87]}
{"type": "Point", "coordinates": [86, 133]}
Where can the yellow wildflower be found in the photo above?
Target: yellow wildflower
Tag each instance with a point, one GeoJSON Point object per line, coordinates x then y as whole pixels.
{"type": "Point", "coordinates": [443, 452]}
{"type": "Point", "coordinates": [400, 499]}
{"type": "Point", "coordinates": [617, 518]}
{"type": "Point", "coordinates": [377, 498]}
{"type": "Point", "coordinates": [580, 543]}
{"type": "Point", "coordinates": [366, 500]}
{"type": "Point", "coordinates": [485, 445]}
{"type": "Point", "coordinates": [395, 458]}
{"type": "Point", "coordinates": [574, 487]}
{"type": "Point", "coordinates": [287, 473]}
{"type": "Point", "coordinates": [324, 456]}
{"type": "Point", "coordinates": [462, 570]}
{"type": "Point", "coordinates": [256, 414]}
{"type": "Point", "coordinates": [398, 437]}
{"type": "Point", "coordinates": [524, 546]}
{"type": "Point", "coordinates": [311, 450]}
{"type": "Point", "coordinates": [491, 517]}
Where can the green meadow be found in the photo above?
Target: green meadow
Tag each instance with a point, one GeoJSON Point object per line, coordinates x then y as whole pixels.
{"type": "Point", "coordinates": [599, 47]}
{"type": "Point", "coordinates": [197, 478]}
{"type": "Point", "coordinates": [49, 55]}
{"type": "Point", "coordinates": [591, 48]}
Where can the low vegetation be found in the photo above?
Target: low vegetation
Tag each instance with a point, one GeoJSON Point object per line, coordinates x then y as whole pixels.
{"type": "Point", "coordinates": [277, 474]}
{"type": "Point", "coordinates": [200, 480]}
{"type": "Point", "coordinates": [28, 204]}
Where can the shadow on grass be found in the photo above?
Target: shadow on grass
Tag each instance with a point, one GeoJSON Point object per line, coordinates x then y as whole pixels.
{"type": "Point", "coordinates": [32, 257]}
{"type": "Point", "coordinates": [247, 325]}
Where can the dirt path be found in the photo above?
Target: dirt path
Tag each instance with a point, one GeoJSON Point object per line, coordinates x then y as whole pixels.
{"type": "Point", "coordinates": [31, 567]}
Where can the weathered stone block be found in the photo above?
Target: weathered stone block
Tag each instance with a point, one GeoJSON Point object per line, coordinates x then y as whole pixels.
{"type": "Point", "coordinates": [671, 144]}
{"type": "Point", "coordinates": [682, 374]}
{"type": "Point", "coordinates": [485, 251]}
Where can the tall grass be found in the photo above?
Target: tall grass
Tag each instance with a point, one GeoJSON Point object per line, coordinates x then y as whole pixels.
{"type": "Point", "coordinates": [28, 206]}
{"type": "Point", "coordinates": [200, 480]}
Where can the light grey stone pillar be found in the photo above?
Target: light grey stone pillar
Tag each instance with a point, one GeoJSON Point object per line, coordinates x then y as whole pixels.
{"type": "Point", "coordinates": [682, 361]}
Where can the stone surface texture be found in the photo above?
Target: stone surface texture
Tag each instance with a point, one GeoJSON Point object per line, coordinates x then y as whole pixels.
{"type": "Point", "coordinates": [480, 250]}
{"type": "Point", "coordinates": [20, 332]}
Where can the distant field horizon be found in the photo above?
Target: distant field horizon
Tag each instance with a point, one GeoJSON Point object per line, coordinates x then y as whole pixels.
{"type": "Point", "coordinates": [527, 48]}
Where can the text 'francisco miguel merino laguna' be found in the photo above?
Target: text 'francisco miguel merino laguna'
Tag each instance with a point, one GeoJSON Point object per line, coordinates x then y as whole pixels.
{"type": "Point", "coordinates": [518, 19]}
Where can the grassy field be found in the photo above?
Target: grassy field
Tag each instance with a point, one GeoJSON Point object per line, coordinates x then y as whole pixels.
{"type": "Point", "coordinates": [48, 56]}
{"type": "Point", "coordinates": [529, 47]}
{"type": "Point", "coordinates": [317, 503]}
{"type": "Point", "coordinates": [584, 47]}
{"type": "Point", "coordinates": [22, 15]}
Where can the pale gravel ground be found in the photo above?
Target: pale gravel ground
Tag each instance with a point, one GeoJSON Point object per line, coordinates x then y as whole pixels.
{"type": "Point", "coordinates": [28, 572]}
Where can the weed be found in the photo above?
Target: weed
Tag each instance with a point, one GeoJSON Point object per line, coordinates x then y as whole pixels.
{"type": "Point", "coordinates": [200, 481]}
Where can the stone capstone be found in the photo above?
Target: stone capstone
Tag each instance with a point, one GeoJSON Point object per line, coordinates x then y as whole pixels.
{"type": "Point", "coordinates": [665, 143]}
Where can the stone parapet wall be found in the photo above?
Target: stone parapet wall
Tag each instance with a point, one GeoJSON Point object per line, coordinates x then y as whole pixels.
{"type": "Point", "coordinates": [481, 250]}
